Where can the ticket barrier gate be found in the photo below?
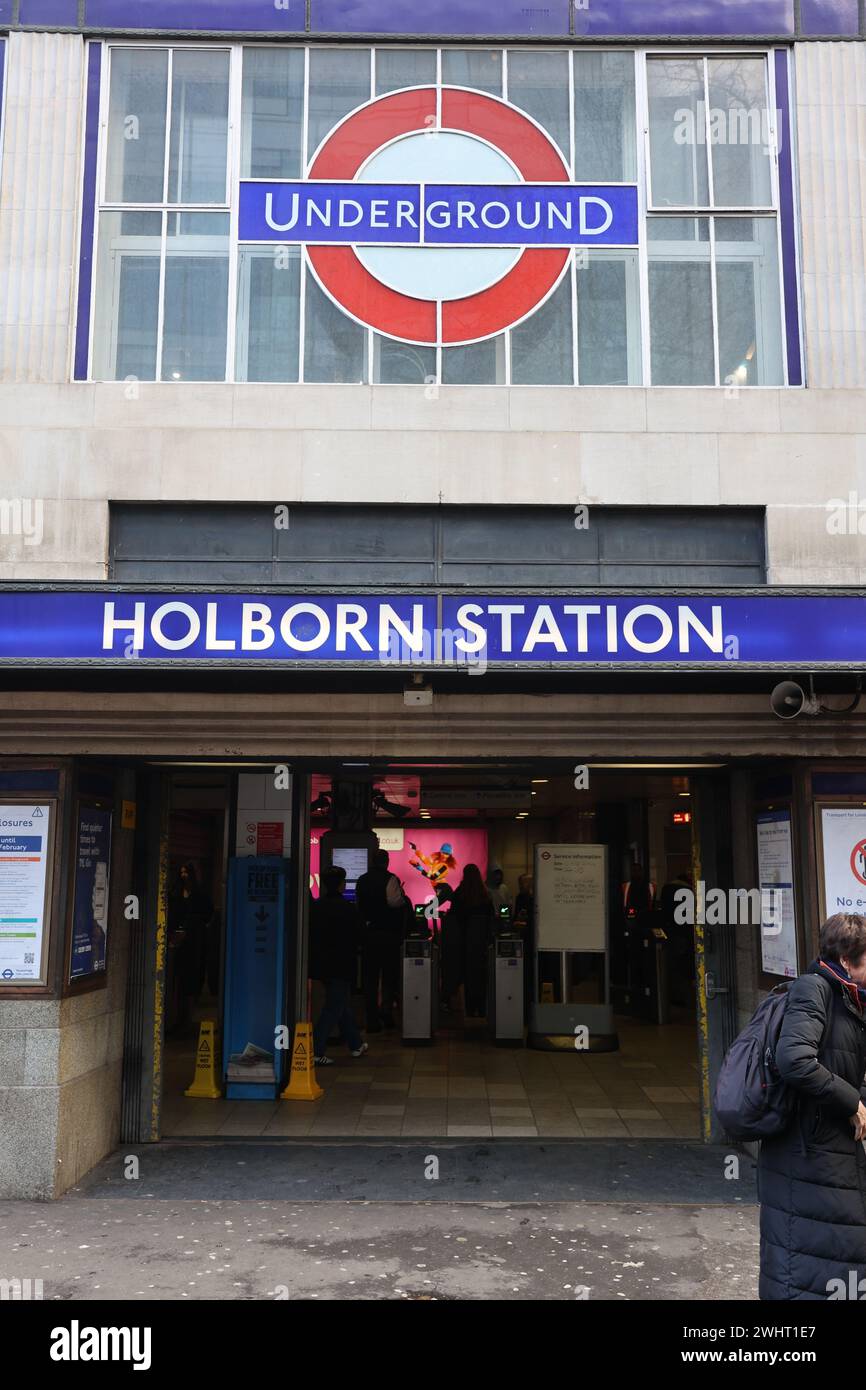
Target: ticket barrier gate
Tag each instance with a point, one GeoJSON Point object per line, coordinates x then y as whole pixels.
{"type": "Point", "coordinates": [420, 988]}
{"type": "Point", "coordinates": [657, 978]}
{"type": "Point", "coordinates": [505, 989]}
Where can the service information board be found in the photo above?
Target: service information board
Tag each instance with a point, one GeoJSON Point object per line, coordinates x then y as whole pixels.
{"type": "Point", "coordinates": [24, 845]}
{"type": "Point", "coordinates": [776, 881]}
{"type": "Point", "coordinates": [571, 897]}
{"type": "Point", "coordinates": [92, 885]}
{"type": "Point", "coordinates": [843, 834]}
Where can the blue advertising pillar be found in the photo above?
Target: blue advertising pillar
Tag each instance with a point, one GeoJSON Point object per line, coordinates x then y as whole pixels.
{"type": "Point", "coordinates": [255, 1002]}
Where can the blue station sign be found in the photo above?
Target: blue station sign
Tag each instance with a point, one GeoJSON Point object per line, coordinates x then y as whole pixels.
{"type": "Point", "coordinates": [108, 627]}
{"type": "Point", "coordinates": [367, 214]}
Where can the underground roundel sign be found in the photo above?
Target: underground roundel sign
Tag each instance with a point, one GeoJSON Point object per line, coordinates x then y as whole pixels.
{"type": "Point", "coordinates": [438, 216]}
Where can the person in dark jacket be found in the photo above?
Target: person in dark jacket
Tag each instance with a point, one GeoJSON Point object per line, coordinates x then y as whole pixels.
{"type": "Point", "coordinates": [812, 1177]}
{"type": "Point", "coordinates": [472, 919]}
{"type": "Point", "coordinates": [381, 902]}
{"type": "Point", "coordinates": [190, 912]}
{"type": "Point", "coordinates": [335, 938]}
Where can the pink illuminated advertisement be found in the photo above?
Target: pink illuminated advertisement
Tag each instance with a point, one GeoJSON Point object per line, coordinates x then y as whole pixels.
{"type": "Point", "coordinates": [436, 856]}
{"type": "Point", "coordinates": [428, 857]}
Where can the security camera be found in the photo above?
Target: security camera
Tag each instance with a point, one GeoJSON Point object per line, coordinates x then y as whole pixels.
{"type": "Point", "coordinates": [789, 699]}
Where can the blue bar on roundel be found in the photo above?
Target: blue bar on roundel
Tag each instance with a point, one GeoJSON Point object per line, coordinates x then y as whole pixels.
{"type": "Point", "coordinates": [527, 214]}
{"type": "Point", "coordinates": [330, 213]}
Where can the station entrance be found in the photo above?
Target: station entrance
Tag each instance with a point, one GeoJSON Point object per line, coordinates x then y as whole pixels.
{"type": "Point", "coordinates": [466, 1008]}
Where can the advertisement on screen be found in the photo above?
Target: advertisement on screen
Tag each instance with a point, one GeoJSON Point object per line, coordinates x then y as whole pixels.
{"type": "Point", "coordinates": [427, 857]}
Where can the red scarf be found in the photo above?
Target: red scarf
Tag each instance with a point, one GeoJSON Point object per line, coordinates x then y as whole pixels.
{"type": "Point", "coordinates": [856, 992]}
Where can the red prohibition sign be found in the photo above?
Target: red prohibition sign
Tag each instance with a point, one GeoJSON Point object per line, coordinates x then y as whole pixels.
{"type": "Point", "coordinates": [858, 854]}
{"type": "Point", "coordinates": [480, 315]}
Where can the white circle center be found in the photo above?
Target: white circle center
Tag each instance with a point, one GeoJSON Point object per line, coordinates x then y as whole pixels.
{"type": "Point", "coordinates": [438, 272]}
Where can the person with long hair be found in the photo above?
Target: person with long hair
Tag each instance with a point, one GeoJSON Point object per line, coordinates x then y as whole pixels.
{"type": "Point", "coordinates": [472, 919]}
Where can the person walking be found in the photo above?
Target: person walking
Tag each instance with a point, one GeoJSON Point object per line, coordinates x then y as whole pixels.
{"type": "Point", "coordinates": [190, 911]}
{"type": "Point", "coordinates": [498, 890]}
{"type": "Point", "coordinates": [335, 938]}
{"type": "Point", "coordinates": [812, 1177]}
{"type": "Point", "coordinates": [473, 915]}
{"type": "Point", "coordinates": [382, 904]}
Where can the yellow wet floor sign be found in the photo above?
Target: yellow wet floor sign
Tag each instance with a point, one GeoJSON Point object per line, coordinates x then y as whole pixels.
{"type": "Point", "coordinates": [204, 1085]}
{"type": "Point", "coordinates": [302, 1078]}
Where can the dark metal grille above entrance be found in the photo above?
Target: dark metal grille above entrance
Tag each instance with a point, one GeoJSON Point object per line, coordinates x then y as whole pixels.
{"type": "Point", "coordinates": [417, 547]}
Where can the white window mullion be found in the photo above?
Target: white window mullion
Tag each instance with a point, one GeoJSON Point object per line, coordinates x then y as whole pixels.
{"type": "Point", "coordinates": [104, 108]}
{"type": "Point", "coordinates": [233, 175]}
{"type": "Point", "coordinates": [101, 165]}
{"type": "Point", "coordinates": [708, 127]}
{"type": "Point", "coordinates": [575, 338]}
{"type": "Point", "coordinates": [644, 193]}
{"type": "Point", "coordinates": [778, 136]}
{"type": "Point", "coordinates": [572, 140]}
{"type": "Point", "coordinates": [302, 251]}
{"type": "Point", "coordinates": [715, 297]}
{"type": "Point", "coordinates": [305, 123]}
{"type": "Point", "coordinates": [160, 322]}
{"type": "Point", "coordinates": [167, 126]}
{"type": "Point", "coordinates": [438, 88]}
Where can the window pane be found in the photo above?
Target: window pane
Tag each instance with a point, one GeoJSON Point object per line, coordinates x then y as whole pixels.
{"type": "Point", "coordinates": [681, 302]}
{"type": "Point", "coordinates": [135, 157]}
{"type": "Point", "coordinates": [739, 133]}
{"type": "Point", "coordinates": [196, 297]}
{"type": "Point", "coordinates": [538, 82]}
{"type": "Point", "coordinates": [477, 364]}
{"type": "Point", "coordinates": [749, 306]}
{"type": "Point", "coordinates": [677, 131]}
{"type": "Point", "coordinates": [404, 67]}
{"type": "Point", "coordinates": [127, 296]}
{"type": "Point", "coordinates": [199, 126]}
{"type": "Point", "coordinates": [608, 319]}
{"type": "Point", "coordinates": [269, 311]}
{"type": "Point", "coordinates": [473, 67]}
{"type": "Point", "coordinates": [541, 348]}
{"type": "Point", "coordinates": [273, 113]}
{"type": "Point", "coordinates": [335, 346]}
{"type": "Point", "coordinates": [402, 363]}
{"type": "Point", "coordinates": [604, 117]}
{"type": "Point", "coordinates": [339, 81]}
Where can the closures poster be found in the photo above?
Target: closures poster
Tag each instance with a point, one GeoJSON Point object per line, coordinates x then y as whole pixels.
{"type": "Point", "coordinates": [24, 842]}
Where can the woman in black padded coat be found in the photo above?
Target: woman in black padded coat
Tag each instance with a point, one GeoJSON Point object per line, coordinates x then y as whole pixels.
{"type": "Point", "coordinates": [812, 1178]}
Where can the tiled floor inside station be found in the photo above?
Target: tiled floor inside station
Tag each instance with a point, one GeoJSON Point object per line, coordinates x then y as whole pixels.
{"type": "Point", "coordinates": [465, 1087]}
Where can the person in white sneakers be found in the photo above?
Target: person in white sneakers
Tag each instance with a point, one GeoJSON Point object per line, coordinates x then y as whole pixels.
{"type": "Point", "coordinates": [335, 939]}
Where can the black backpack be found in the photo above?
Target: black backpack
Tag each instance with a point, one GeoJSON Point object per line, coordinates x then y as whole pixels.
{"type": "Point", "coordinates": [751, 1100]}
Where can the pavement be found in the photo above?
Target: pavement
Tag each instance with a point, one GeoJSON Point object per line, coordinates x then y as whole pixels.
{"type": "Point", "coordinates": [502, 1220]}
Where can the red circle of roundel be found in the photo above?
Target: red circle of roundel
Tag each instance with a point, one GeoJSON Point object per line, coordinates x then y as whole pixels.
{"type": "Point", "coordinates": [397, 315]}
{"type": "Point", "coordinates": [858, 854]}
